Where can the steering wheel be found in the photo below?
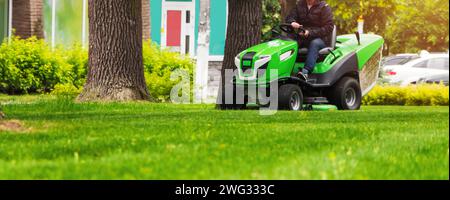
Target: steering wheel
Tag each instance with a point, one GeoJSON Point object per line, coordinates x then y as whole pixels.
{"type": "Point", "coordinates": [287, 28]}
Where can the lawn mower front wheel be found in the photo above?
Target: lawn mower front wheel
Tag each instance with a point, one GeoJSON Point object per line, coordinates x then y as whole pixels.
{"type": "Point", "coordinates": [290, 97]}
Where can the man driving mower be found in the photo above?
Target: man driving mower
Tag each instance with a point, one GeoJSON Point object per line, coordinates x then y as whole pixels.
{"type": "Point", "coordinates": [316, 19]}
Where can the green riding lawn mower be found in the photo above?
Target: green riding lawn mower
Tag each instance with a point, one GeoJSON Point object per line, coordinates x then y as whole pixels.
{"type": "Point", "coordinates": [346, 71]}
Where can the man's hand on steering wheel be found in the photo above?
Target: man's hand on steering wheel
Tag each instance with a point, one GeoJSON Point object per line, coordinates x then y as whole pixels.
{"type": "Point", "coordinates": [293, 28]}
{"type": "Point", "coordinates": [302, 32]}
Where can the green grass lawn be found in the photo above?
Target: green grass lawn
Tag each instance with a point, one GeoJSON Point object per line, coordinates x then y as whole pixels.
{"type": "Point", "coordinates": [64, 140]}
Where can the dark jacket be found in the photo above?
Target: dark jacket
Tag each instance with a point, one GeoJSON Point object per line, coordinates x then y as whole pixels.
{"type": "Point", "coordinates": [318, 21]}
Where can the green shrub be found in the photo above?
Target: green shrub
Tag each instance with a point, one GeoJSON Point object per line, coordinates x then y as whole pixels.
{"type": "Point", "coordinates": [27, 66]}
{"type": "Point", "coordinates": [413, 95]}
{"type": "Point", "coordinates": [158, 66]}
{"type": "Point", "coordinates": [30, 66]}
{"type": "Point", "coordinates": [67, 89]}
{"type": "Point", "coordinates": [77, 58]}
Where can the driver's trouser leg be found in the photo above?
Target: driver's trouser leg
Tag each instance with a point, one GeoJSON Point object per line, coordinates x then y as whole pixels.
{"type": "Point", "coordinates": [313, 53]}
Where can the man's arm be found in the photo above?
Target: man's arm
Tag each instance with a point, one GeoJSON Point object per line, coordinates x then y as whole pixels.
{"type": "Point", "coordinates": [327, 24]}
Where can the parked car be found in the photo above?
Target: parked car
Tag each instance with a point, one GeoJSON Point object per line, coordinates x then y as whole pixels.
{"type": "Point", "coordinates": [399, 59]}
{"type": "Point", "coordinates": [434, 79]}
{"type": "Point", "coordinates": [432, 67]}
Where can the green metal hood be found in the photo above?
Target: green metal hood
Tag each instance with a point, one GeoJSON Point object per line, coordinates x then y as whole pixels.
{"type": "Point", "coordinates": [277, 54]}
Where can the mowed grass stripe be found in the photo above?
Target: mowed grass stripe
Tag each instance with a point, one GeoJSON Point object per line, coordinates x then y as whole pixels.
{"type": "Point", "coordinates": [166, 141]}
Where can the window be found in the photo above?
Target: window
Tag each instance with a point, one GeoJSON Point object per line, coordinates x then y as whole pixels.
{"type": "Point", "coordinates": [438, 63]}
{"type": "Point", "coordinates": [188, 16]}
{"type": "Point", "coordinates": [69, 21]}
{"type": "Point", "coordinates": [406, 60]}
{"type": "Point", "coordinates": [3, 19]}
{"type": "Point", "coordinates": [422, 64]}
{"type": "Point", "coordinates": [187, 41]}
{"type": "Point", "coordinates": [395, 61]}
{"type": "Point", "coordinates": [399, 60]}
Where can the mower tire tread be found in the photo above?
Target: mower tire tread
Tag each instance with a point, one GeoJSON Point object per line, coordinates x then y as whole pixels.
{"type": "Point", "coordinates": [336, 94]}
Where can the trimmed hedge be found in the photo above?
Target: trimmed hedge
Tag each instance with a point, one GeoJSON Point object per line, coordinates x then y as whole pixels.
{"type": "Point", "coordinates": [30, 66]}
{"type": "Point", "coordinates": [158, 65]}
{"type": "Point", "coordinates": [413, 95]}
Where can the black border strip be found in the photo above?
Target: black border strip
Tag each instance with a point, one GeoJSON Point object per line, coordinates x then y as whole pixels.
{"type": "Point", "coordinates": [281, 189]}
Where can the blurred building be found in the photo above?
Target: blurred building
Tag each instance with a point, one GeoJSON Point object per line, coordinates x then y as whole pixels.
{"type": "Point", "coordinates": [26, 18]}
{"type": "Point", "coordinates": [4, 19]}
{"type": "Point", "coordinates": [175, 24]}
{"type": "Point", "coordinates": [170, 23]}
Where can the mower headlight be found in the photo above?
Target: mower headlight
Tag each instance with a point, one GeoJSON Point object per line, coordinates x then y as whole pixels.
{"type": "Point", "coordinates": [262, 61]}
{"type": "Point", "coordinates": [286, 55]}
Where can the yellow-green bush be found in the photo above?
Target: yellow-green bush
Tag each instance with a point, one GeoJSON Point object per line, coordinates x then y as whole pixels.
{"type": "Point", "coordinates": [67, 89]}
{"type": "Point", "coordinates": [413, 95]}
{"type": "Point", "coordinates": [77, 58]}
{"type": "Point", "coordinates": [31, 66]}
{"type": "Point", "coordinates": [158, 66]}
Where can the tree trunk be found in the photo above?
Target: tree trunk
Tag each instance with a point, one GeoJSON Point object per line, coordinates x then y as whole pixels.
{"type": "Point", "coordinates": [244, 31]}
{"type": "Point", "coordinates": [116, 70]}
{"type": "Point", "coordinates": [286, 7]}
{"type": "Point", "coordinates": [202, 65]}
{"type": "Point", "coordinates": [27, 18]}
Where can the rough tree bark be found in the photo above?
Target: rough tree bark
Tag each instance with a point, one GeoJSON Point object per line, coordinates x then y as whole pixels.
{"type": "Point", "coordinates": [115, 52]}
{"type": "Point", "coordinates": [286, 7]}
{"type": "Point", "coordinates": [244, 31]}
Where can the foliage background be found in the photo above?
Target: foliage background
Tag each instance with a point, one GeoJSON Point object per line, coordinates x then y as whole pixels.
{"type": "Point", "coordinates": [30, 66]}
{"type": "Point", "coordinates": [69, 15]}
{"type": "Point", "coordinates": [406, 25]}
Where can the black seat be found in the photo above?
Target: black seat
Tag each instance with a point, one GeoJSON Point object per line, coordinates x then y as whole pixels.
{"type": "Point", "coordinates": [302, 52]}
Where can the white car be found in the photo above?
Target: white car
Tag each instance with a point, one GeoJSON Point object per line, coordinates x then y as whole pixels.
{"type": "Point", "coordinates": [398, 59]}
{"type": "Point", "coordinates": [416, 70]}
